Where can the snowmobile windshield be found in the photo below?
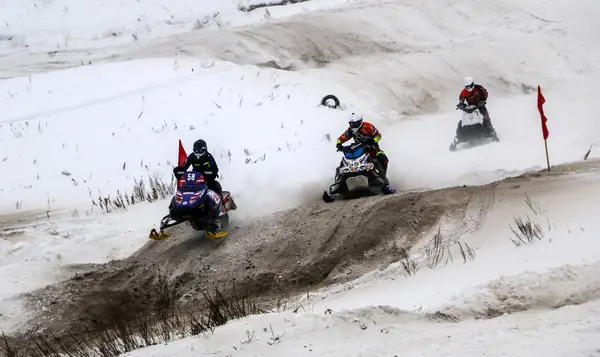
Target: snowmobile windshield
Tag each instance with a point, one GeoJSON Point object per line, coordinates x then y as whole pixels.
{"type": "Point", "coordinates": [353, 154]}
{"type": "Point", "coordinates": [192, 188]}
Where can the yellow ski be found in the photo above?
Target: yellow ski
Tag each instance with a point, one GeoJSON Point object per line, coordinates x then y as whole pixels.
{"type": "Point", "coordinates": [158, 236]}
{"type": "Point", "coordinates": [219, 235]}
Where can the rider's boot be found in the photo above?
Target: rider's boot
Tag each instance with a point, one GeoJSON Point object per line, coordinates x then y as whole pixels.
{"type": "Point", "coordinates": [382, 172]}
{"type": "Point", "coordinates": [487, 125]}
{"type": "Point", "coordinates": [458, 138]}
{"type": "Point", "coordinates": [489, 128]}
{"type": "Point", "coordinates": [337, 181]}
{"type": "Point", "coordinates": [214, 229]}
{"type": "Point", "coordinates": [386, 189]}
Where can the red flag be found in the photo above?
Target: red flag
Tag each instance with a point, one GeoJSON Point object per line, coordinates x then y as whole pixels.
{"type": "Point", "coordinates": [182, 157]}
{"type": "Point", "coordinates": [182, 154]}
{"type": "Point", "coordinates": [541, 101]}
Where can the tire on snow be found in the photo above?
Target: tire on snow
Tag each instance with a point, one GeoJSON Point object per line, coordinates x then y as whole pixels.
{"type": "Point", "coordinates": [328, 97]}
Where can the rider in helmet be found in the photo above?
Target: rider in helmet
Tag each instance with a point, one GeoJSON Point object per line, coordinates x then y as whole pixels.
{"type": "Point", "coordinates": [475, 94]}
{"type": "Point", "coordinates": [203, 161]}
{"type": "Point", "coordinates": [368, 134]}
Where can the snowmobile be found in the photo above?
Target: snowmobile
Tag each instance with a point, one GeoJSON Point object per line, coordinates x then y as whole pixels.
{"type": "Point", "coordinates": [470, 130]}
{"type": "Point", "coordinates": [189, 205]}
{"type": "Point", "coordinates": [358, 173]}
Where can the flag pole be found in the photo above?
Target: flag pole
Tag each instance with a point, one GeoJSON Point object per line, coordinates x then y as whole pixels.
{"type": "Point", "coordinates": [540, 103]}
{"type": "Point", "coordinates": [547, 157]}
{"type": "Point", "coordinates": [181, 156]}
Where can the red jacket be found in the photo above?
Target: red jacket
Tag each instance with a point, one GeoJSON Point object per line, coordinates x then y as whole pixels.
{"type": "Point", "coordinates": [367, 130]}
{"type": "Point", "coordinates": [475, 96]}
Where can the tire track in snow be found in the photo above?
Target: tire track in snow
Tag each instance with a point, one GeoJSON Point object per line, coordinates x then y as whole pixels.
{"type": "Point", "coordinates": [550, 290]}
{"type": "Point", "coordinates": [559, 287]}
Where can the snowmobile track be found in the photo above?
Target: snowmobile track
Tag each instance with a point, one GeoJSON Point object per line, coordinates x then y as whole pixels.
{"type": "Point", "coordinates": [290, 252]}
{"type": "Point", "coordinates": [277, 256]}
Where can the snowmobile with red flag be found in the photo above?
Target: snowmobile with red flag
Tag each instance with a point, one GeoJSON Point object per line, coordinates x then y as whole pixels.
{"type": "Point", "coordinates": [196, 202]}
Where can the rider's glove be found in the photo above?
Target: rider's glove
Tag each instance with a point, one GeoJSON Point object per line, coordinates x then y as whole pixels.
{"type": "Point", "coordinates": [481, 104]}
{"type": "Point", "coordinates": [210, 175]}
{"type": "Point", "coordinates": [339, 146]}
{"type": "Point", "coordinates": [460, 106]}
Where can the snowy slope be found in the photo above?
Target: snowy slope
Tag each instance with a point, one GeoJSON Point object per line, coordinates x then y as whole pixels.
{"type": "Point", "coordinates": [131, 133]}
{"type": "Point", "coordinates": [422, 83]}
{"type": "Point", "coordinates": [115, 128]}
{"type": "Point", "coordinates": [536, 299]}
{"type": "Point", "coordinates": [112, 122]}
{"type": "Point", "coordinates": [384, 331]}
{"type": "Point", "coordinates": [33, 26]}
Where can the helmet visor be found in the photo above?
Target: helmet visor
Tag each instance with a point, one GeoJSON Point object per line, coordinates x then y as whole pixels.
{"type": "Point", "coordinates": [200, 151]}
{"type": "Point", "coordinates": [355, 124]}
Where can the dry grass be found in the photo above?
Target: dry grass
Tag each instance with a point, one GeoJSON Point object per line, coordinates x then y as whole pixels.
{"type": "Point", "coordinates": [410, 266]}
{"type": "Point", "coordinates": [466, 252]}
{"type": "Point", "coordinates": [156, 189]}
{"type": "Point", "coordinates": [526, 231]}
{"type": "Point", "coordinates": [120, 335]}
{"type": "Point", "coordinates": [588, 152]}
{"type": "Point", "coordinates": [534, 206]}
{"type": "Point", "coordinates": [267, 4]}
{"type": "Point", "coordinates": [435, 250]}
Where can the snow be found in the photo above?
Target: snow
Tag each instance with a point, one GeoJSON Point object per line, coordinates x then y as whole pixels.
{"type": "Point", "coordinates": [33, 253]}
{"type": "Point", "coordinates": [70, 24]}
{"type": "Point", "coordinates": [115, 121]}
{"type": "Point", "coordinates": [388, 332]}
{"type": "Point", "coordinates": [138, 126]}
{"type": "Point", "coordinates": [534, 299]}
{"type": "Point", "coordinates": [570, 237]}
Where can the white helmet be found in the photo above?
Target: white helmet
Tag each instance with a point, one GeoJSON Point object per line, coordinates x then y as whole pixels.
{"type": "Point", "coordinates": [355, 120]}
{"type": "Point", "coordinates": [469, 83]}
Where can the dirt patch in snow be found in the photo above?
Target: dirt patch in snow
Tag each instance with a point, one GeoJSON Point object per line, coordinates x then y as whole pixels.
{"type": "Point", "coordinates": [291, 252]}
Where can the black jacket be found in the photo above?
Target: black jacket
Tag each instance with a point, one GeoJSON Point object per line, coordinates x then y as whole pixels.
{"type": "Point", "coordinates": [205, 164]}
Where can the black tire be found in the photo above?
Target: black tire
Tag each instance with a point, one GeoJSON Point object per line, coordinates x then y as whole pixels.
{"type": "Point", "coordinates": [328, 97]}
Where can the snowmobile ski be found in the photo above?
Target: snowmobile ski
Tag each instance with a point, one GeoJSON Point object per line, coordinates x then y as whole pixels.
{"type": "Point", "coordinates": [219, 235]}
{"type": "Point", "coordinates": [158, 236]}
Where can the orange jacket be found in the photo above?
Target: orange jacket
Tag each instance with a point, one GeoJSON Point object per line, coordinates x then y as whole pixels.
{"type": "Point", "coordinates": [367, 130]}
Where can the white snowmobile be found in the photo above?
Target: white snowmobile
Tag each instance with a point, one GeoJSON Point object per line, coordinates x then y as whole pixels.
{"type": "Point", "coordinates": [470, 130]}
{"type": "Point", "coordinates": [358, 175]}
